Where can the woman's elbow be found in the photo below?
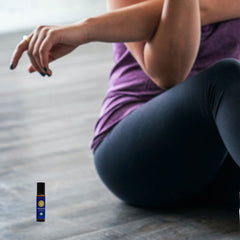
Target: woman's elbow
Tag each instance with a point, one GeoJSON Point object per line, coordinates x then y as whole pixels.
{"type": "Point", "coordinates": [165, 83]}
{"type": "Point", "coordinates": [163, 78]}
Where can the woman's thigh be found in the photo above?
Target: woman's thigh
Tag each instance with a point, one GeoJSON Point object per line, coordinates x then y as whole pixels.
{"type": "Point", "coordinates": [167, 150]}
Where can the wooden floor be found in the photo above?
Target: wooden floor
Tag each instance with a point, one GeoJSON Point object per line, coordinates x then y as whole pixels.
{"type": "Point", "coordinates": [46, 125]}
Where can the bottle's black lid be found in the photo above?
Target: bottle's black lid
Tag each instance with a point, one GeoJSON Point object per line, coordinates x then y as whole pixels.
{"type": "Point", "coordinates": [40, 188]}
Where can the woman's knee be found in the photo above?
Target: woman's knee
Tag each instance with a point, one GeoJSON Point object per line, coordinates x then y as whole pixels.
{"type": "Point", "coordinates": [229, 64]}
{"type": "Point", "coordinates": [218, 77]}
{"type": "Point", "coordinates": [222, 71]}
{"type": "Point", "coordinates": [227, 71]}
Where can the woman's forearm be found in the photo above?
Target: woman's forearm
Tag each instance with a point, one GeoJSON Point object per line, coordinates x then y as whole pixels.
{"type": "Point", "coordinates": [129, 24]}
{"type": "Point", "coordinates": [170, 54]}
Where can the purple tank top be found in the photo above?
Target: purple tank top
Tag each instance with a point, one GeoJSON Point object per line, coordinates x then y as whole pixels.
{"type": "Point", "coordinates": [130, 87]}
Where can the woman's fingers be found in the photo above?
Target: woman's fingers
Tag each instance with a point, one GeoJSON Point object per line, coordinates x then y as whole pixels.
{"type": "Point", "coordinates": [41, 49]}
{"type": "Point", "coordinates": [31, 68]}
{"type": "Point", "coordinates": [20, 48]}
{"type": "Point", "coordinates": [44, 49]}
{"type": "Point", "coordinates": [32, 53]}
{"type": "Point", "coordinates": [51, 58]}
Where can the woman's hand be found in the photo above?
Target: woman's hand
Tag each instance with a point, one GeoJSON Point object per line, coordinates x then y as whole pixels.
{"type": "Point", "coordinates": [48, 43]}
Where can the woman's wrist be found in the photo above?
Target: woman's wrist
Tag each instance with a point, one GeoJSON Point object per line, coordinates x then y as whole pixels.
{"type": "Point", "coordinates": [89, 26]}
{"type": "Point", "coordinates": [75, 34]}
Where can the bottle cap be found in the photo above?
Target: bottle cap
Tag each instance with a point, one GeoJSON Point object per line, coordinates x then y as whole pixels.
{"type": "Point", "coordinates": [40, 188]}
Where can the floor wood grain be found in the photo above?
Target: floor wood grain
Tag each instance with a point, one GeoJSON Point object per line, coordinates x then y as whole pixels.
{"type": "Point", "coordinates": [46, 125]}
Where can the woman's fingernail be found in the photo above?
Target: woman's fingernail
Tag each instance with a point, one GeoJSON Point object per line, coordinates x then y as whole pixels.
{"type": "Point", "coordinates": [49, 75]}
{"type": "Point", "coordinates": [45, 69]}
{"type": "Point", "coordinates": [42, 74]}
{"type": "Point", "coordinates": [11, 66]}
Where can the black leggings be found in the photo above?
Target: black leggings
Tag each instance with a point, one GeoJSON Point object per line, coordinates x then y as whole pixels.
{"type": "Point", "coordinates": [180, 147]}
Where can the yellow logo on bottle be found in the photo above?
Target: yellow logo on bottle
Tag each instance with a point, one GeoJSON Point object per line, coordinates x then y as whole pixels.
{"type": "Point", "coordinates": [40, 203]}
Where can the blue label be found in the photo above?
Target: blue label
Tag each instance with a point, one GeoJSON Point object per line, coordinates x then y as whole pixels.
{"type": "Point", "coordinates": [40, 207]}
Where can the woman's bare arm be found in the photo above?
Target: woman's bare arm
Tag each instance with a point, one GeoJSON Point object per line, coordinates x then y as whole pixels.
{"type": "Point", "coordinates": [136, 23]}
{"type": "Point", "coordinates": [210, 12]}
{"type": "Point", "coordinates": [171, 52]}
{"type": "Point", "coordinates": [221, 10]}
{"type": "Point", "coordinates": [178, 36]}
{"type": "Point", "coordinates": [171, 33]}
